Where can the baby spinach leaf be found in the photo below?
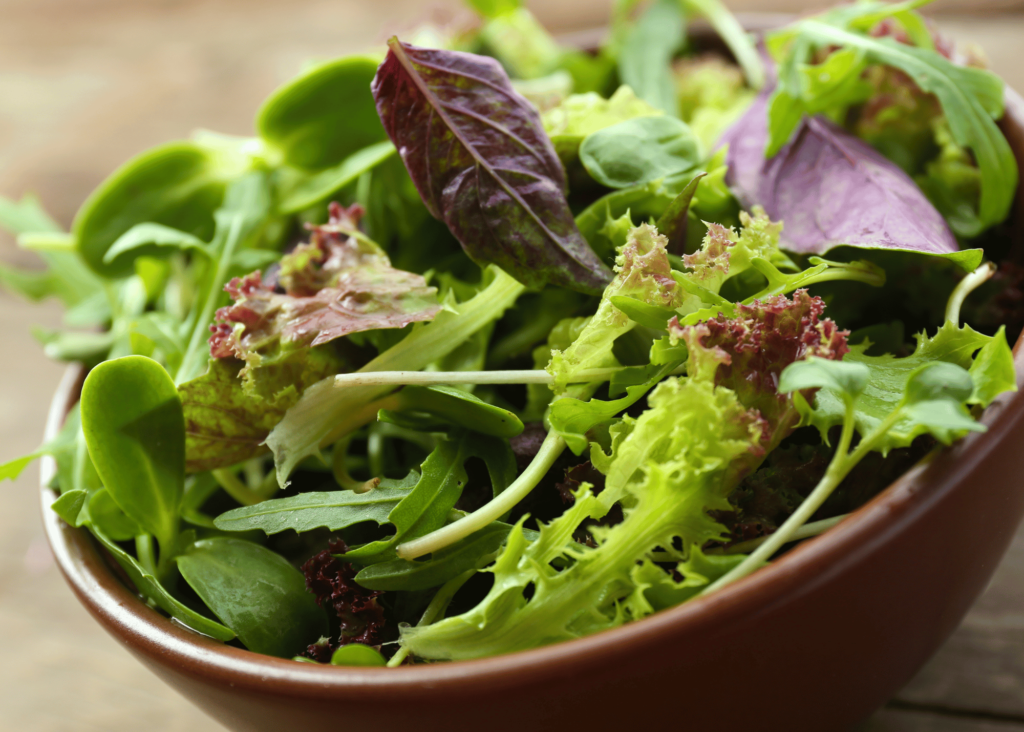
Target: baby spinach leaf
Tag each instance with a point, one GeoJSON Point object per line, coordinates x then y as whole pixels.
{"type": "Point", "coordinates": [255, 592]}
{"type": "Point", "coordinates": [357, 654]}
{"type": "Point", "coordinates": [833, 189]}
{"type": "Point", "coordinates": [108, 516]}
{"type": "Point", "coordinates": [645, 58]}
{"type": "Point", "coordinates": [331, 510]}
{"type": "Point", "coordinates": [69, 506]}
{"type": "Point", "coordinates": [324, 115]}
{"type": "Point", "coordinates": [473, 552]}
{"type": "Point", "coordinates": [150, 588]}
{"type": "Point", "coordinates": [179, 184]}
{"type": "Point", "coordinates": [135, 430]}
{"type": "Point", "coordinates": [483, 164]}
{"type": "Point", "coordinates": [639, 150]}
{"type": "Point", "coordinates": [444, 476]}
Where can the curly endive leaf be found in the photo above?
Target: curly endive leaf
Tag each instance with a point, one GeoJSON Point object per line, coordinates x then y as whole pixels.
{"type": "Point", "coordinates": [482, 163]}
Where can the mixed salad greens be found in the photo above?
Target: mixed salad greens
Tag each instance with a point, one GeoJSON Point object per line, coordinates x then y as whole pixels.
{"type": "Point", "coordinates": [483, 343]}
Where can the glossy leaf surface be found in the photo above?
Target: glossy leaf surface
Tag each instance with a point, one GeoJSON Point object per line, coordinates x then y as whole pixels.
{"type": "Point", "coordinates": [135, 430]}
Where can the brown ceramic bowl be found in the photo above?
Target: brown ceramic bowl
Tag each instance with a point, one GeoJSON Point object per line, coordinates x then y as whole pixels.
{"type": "Point", "coordinates": [816, 641]}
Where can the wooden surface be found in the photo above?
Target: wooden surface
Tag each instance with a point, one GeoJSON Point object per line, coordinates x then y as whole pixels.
{"type": "Point", "coordinates": [86, 84]}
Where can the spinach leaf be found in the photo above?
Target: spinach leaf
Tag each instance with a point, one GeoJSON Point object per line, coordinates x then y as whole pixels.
{"type": "Point", "coordinates": [645, 58]}
{"type": "Point", "coordinates": [135, 430]}
{"type": "Point", "coordinates": [103, 512]}
{"type": "Point", "coordinates": [323, 116]}
{"type": "Point", "coordinates": [255, 592]}
{"type": "Point", "coordinates": [331, 510]}
{"type": "Point", "coordinates": [483, 164]}
{"type": "Point", "coordinates": [639, 151]}
{"type": "Point", "coordinates": [179, 184]}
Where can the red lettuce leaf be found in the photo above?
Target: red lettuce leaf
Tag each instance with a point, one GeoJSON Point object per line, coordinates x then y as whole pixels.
{"type": "Point", "coordinates": [479, 156]}
{"type": "Point", "coordinates": [338, 283]}
{"type": "Point", "coordinates": [749, 352]}
{"type": "Point", "coordinates": [831, 189]}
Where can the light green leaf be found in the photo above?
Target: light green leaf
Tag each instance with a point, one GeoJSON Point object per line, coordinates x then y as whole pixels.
{"type": "Point", "coordinates": [357, 654]}
{"type": "Point", "coordinates": [135, 430]}
{"type": "Point", "coordinates": [841, 377]}
{"type": "Point", "coordinates": [583, 114]}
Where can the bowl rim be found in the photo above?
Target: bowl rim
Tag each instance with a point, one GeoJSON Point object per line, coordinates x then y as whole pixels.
{"type": "Point", "coordinates": [165, 642]}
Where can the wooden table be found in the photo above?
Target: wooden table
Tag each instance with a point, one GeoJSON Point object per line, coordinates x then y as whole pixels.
{"type": "Point", "coordinates": [85, 85]}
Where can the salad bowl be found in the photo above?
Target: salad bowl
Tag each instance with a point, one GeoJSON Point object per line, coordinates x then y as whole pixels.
{"type": "Point", "coordinates": [815, 641]}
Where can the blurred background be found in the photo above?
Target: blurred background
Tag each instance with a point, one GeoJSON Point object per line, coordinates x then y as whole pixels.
{"type": "Point", "coordinates": [86, 84]}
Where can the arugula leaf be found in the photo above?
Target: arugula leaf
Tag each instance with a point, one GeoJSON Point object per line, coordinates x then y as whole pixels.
{"type": "Point", "coordinates": [639, 151]}
{"type": "Point", "coordinates": [645, 56]}
{"type": "Point", "coordinates": [153, 240]}
{"type": "Point", "coordinates": [458, 407]}
{"type": "Point", "coordinates": [483, 165]}
{"type": "Point", "coordinates": [331, 510]}
{"type": "Point", "coordinates": [441, 482]}
{"type": "Point", "coordinates": [473, 552]}
{"type": "Point", "coordinates": [255, 592]}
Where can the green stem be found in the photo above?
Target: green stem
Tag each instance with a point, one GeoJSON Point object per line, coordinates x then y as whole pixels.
{"type": "Point", "coordinates": [144, 550]}
{"type": "Point", "coordinates": [434, 610]}
{"type": "Point", "coordinates": [964, 288]}
{"type": "Point", "coordinates": [550, 449]}
{"type": "Point", "coordinates": [842, 462]}
{"type": "Point", "coordinates": [189, 369]}
{"type": "Point", "coordinates": [806, 531]}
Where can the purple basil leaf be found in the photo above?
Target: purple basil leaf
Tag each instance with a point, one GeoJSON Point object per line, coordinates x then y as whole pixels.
{"type": "Point", "coordinates": [830, 189]}
{"type": "Point", "coordinates": [481, 160]}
